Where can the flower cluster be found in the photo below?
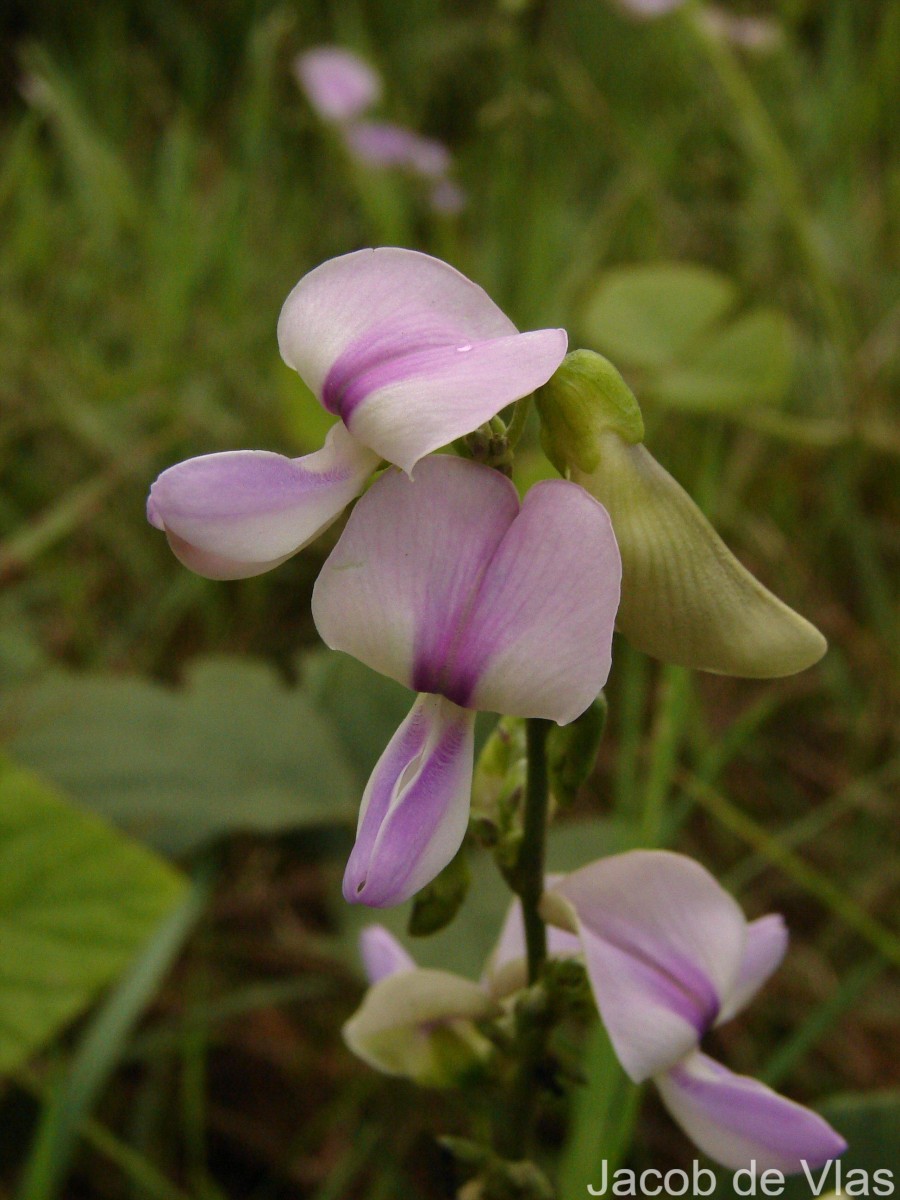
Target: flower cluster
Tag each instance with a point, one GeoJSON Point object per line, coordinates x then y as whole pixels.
{"type": "Point", "coordinates": [476, 600]}
{"type": "Point", "coordinates": [669, 956]}
{"type": "Point", "coordinates": [343, 88]}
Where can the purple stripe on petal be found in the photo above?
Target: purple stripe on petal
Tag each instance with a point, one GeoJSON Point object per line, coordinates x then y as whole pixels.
{"type": "Point", "coordinates": [663, 942]}
{"type": "Point", "coordinates": [400, 349]}
{"type": "Point", "coordinates": [396, 587]}
{"type": "Point", "coordinates": [417, 806]}
{"type": "Point", "coordinates": [735, 1119]}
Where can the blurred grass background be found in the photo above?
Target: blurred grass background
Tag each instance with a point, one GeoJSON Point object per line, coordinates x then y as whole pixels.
{"type": "Point", "coordinates": [163, 184]}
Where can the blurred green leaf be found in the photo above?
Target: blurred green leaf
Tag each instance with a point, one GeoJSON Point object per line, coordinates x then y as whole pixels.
{"type": "Point", "coordinates": [234, 749]}
{"type": "Point", "coordinates": [77, 901]}
{"type": "Point", "coordinates": [648, 316]}
{"type": "Point", "coordinates": [750, 361]}
{"type": "Point", "coordinates": [364, 708]}
{"type": "Point", "coordinates": [667, 321]}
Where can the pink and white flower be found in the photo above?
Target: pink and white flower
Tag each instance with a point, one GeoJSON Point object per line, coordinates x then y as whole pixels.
{"type": "Point", "coordinates": [338, 83]}
{"type": "Point", "coordinates": [407, 352]}
{"type": "Point", "coordinates": [669, 956]}
{"type": "Point", "coordinates": [448, 584]}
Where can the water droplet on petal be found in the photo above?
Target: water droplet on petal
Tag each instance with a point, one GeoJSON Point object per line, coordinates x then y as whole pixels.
{"type": "Point", "coordinates": [462, 349]}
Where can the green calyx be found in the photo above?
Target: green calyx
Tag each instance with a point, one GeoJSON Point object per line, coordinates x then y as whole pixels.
{"type": "Point", "coordinates": [585, 399]}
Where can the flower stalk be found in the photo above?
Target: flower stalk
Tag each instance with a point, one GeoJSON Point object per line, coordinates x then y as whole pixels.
{"type": "Point", "coordinates": [530, 873]}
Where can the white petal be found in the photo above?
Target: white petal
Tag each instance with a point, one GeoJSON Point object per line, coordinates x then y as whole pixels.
{"type": "Point", "coordinates": [394, 1029]}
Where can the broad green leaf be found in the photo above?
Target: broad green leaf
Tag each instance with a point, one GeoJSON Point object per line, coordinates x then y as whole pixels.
{"type": "Point", "coordinates": [750, 361]}
{"type": "Point", "coordinates": [235, 748]}
{"type": "Point", "coordinates": [77, 902]}
{"type": "Point", "coordinates": [668, 322]}
{"type": "Point", "coordinates": [647, 316]}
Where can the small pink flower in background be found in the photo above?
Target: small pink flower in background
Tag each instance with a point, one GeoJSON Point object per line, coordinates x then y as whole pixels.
{"type": "Point", "coordinates": [407, 352]}
{"type": "Point", "coordinates": [669, 956]}
{"type": "Point", "coordinates": [383, 144]}
{"type": "Point", "coordinates": [342, 88]}
{"type": "Point", "coordinates": [338, 83]}
{"type": "Point", "coordinates": [446, 583]}
{"type": "Point", "coordinates": [648, 9]}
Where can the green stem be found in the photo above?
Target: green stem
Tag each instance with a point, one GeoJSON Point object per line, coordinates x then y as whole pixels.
{"type": "Point", "coordinates": [534, 842]}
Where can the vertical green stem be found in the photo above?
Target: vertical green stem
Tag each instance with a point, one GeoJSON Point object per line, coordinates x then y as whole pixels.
{"type": "Point", "coordinates": [534, 842]}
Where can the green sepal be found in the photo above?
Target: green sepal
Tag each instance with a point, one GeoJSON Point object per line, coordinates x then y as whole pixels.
{"type": "Point", "coordinates": [438, 902]}
{"type": "Point", "coordinates": [584, 399]}
{"type": "Point", "coordinates": [572, 751]}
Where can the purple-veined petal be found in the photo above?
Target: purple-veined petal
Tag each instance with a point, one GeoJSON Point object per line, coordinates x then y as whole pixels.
{"type": "Point", "coordinates": [337, 82]}
{"type": "Point", "coordinates": [537, 642]}
{"type": "Point", "coordinates": [407, 351]}
{"type": "Point", "coordinates": [397, 585]}
{"type": "Point", "coordinates": [444, 584]}
{"type": "Point", "coordinates": [416, 805]}
{"type": "Point", "coordinates": [735, 1119]}
{"type": "Point", "coordinates": [383, 144]}
{"type": "Point", "coordinates": [663, 943]}
{"type": "Point", "coordinates": [239, 513]}
{"type": "Point", "coordinates": [506, 970]}
{"type": "Point", "coordinates": [382, 954]}
{"type": "Point", "coordinates": [765, 947]}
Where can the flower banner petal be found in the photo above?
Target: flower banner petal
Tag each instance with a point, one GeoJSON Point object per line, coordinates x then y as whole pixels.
{"type": "Point", "coordinates": [765, 947]}
{"type": "Point", "coordinates": [663, 944]}
{"type": "Point", "coordinates": [239, 513]}
{"type": "Point", "coordinates": [416, 805]}
{"type": "Point", "coordinates": [382, 954]}
{"type": "Point", "coordinates": [538, 640]}
{"type": "Point", "coordinates": [735, 1119]}
{"type": "Point", "coordinates": [398, 583]}
{"type": "Point", "coordinates": [407, 351]}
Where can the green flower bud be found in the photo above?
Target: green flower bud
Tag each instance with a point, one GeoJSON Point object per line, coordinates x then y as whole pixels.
{"type": "Point", "coordinates": [584, 399]}
{"type": "Point", "coordinates": [438, 902]}
{"type": "Point", "coordinates": [572, 751]}
{"type": "Point", "coordinates": [500, 773]}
